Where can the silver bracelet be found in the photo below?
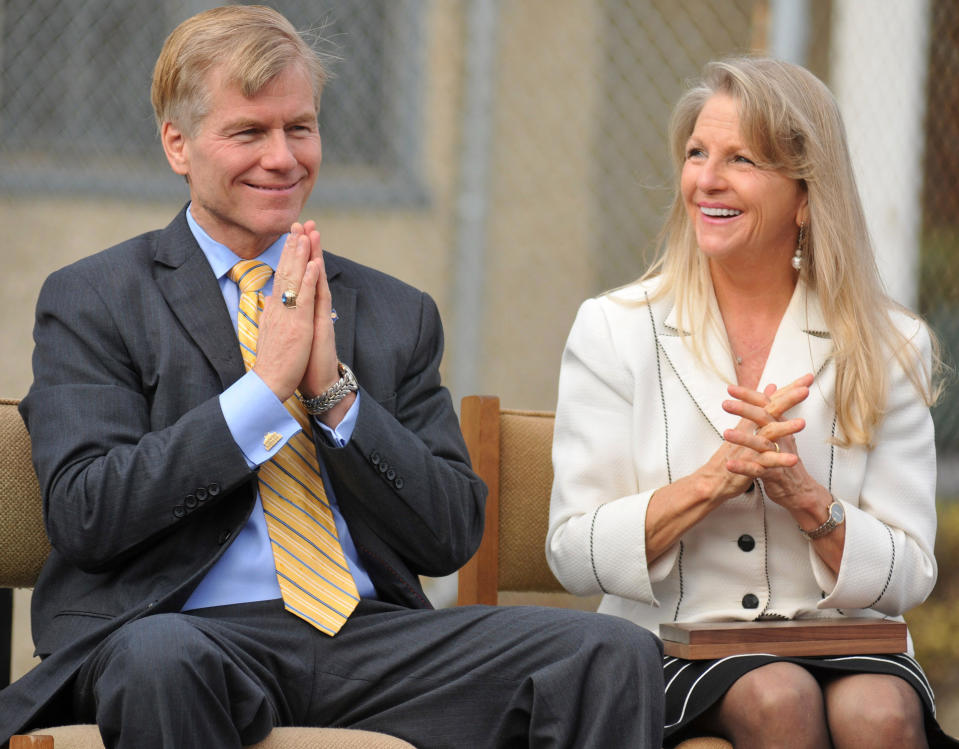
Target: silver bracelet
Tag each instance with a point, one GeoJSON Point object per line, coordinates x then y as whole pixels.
{"type": "Point", "coordinates": [323, 402]}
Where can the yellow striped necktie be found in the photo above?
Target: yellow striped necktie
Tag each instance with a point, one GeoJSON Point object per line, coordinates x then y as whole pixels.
{"type": "Point", "coordinates": [314, 578]}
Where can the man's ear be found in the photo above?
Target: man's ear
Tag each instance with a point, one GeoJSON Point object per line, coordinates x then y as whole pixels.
{"type": "Point", "coordinates": [175, 147]}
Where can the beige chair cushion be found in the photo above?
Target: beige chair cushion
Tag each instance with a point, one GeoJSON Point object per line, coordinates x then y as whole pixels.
{"type": "Point", "coordinates": [22, 535]}
{"type": "Point", "coordinates": [88, 737]}
{"type": "Point", "coordinates": [525, 479]}
{"type": "Point", "coordinates": [705, 743]}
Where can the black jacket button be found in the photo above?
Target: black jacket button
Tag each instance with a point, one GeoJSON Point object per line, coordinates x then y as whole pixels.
{"type": "Point", "coordinates": [384, 466]}
{"type": "Point", "coordinates": [375, 458]}
{"type": "Point", "coordinates": [179, 511]}
{"type": "Point", "coordinates": [746, 542]}
{"type": "Point", "coordinates": [201, 494]}
{"type": "Point", "coordinates": [399, 482]}
{"type": "Point", "coordinates": [390, 475]}
{"type": "Point", "coordinates": [190, 501]}
{"type": "Point", "coordinates": [750, 601]}
{"type": "Point", "coordinates": [213, 489]}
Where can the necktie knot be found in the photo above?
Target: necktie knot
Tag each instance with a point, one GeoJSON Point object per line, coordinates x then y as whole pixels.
{"type": "Point", "coordinates": [250, 275]}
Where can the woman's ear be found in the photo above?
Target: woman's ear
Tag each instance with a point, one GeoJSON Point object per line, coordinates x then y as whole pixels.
{"type": "Point", "coordinates": [802, 211]}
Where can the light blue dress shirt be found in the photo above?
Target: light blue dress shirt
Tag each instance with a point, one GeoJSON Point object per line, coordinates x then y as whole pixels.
{"type": "Point", "coordinates": [246, 571]}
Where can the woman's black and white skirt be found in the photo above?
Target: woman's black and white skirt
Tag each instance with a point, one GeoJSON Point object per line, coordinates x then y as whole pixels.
{"type": "Point", "coordinates": [692, 687]}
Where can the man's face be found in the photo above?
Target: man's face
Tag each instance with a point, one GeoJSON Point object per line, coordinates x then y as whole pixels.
{"type": "Point", "coordinates": [252, 162]}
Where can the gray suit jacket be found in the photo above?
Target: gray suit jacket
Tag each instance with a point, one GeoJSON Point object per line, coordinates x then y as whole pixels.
{"type": "Point", "coordinates": [143, 484]}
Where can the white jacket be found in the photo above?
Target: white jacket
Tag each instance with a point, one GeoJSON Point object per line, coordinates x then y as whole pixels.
{"type": "Point", "coordinates": [637, 410]}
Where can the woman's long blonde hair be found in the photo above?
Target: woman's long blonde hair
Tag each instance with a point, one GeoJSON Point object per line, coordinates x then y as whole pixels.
{"type": "Point", "coordinates": [792, 123]}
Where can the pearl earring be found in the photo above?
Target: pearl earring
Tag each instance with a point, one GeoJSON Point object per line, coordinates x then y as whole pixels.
{"type": "Point", "coordinates": [797, 256]}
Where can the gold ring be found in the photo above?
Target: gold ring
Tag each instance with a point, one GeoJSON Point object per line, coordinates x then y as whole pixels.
{"type": "Point", "coordinates": [776, 445]}
{"type": "Point", "coordinates": [288, 298]}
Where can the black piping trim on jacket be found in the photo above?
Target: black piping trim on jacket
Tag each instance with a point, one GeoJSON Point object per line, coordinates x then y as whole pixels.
{"type": "Point", "coordinates": [769, 582]}
{"type": "Point", "coordinates": [832, 450]}
{"type": "Point", "coordinates": [669, 469]}
{"type": "Point", "coordinates": [679, 566]}
{"type": "Point", "coordinates": [892, 564]}
{"type": "Point", "coordinates": [662, 394]}
{"type": "Point", "coordinates": [592, 558]}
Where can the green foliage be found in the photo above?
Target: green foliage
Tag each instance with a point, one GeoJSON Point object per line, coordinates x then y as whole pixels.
{"type": "Point", "coordinates": [939, 305]}
{"type": "Point", "coordinates": [939, 269]}
{"type": "Point", "coordinates": [935, 624]}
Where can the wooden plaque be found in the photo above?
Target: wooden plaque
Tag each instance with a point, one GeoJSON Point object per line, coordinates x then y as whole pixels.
{"type": "Point", "coordinates": [812, 637]}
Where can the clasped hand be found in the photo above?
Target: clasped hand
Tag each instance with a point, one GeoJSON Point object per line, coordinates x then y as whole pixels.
{"type": "Point", "coordinates": [763, 444]}
{"type": "Point", "coordinates": [296, 347]}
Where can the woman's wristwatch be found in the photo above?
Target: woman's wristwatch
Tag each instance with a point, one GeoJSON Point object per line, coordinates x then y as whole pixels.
{"type": "Point", "coordinates": [837, 515]}
{"type": "Point", "coordinates": [323, 402]}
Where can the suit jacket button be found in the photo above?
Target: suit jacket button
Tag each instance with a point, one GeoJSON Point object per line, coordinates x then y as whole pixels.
{"type": "Point", "coordinates": [750, 601]}
{"type": "Point", "coordinates": [390, 475]}
{"type": "Point", "coordinates": [384, 466]}
{"type": "Point", "coordinates": [179, 511]}
{"type": "Point", "coordinates": [746, 542]}
{"type": "Point", "coordinates": [190, 500]}
{"type": "Point", "coordinates": [375, 458]}
{"type": "Point", "coordinates": [201, 494]}
{"type": "Point", "coordinates": [398, 483]}
{"type": "Point", "coordinates": [213, 489]}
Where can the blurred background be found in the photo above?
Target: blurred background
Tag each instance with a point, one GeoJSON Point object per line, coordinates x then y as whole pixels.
{"type": "Point", "coordinates": [507, 156]}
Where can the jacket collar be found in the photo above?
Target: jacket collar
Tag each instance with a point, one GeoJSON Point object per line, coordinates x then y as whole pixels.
{"type": "Point", "coordinates": [191, 290]}
{"type": "Point", "coordinates": [802, 344]}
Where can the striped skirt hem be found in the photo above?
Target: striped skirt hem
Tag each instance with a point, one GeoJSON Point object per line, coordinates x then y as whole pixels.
{"type": "Point", "coordinates": [692, 687]}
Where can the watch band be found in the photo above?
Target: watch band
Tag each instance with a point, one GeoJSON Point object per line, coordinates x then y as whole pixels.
{"type": "Point", "coordinates": [323, 402]}
{"type": "Point", "coordinates": [834, 519]}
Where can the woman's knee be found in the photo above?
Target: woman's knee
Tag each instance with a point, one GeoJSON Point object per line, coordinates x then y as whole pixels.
{"type": "Point", "coordinates": [779, 695]}
{"type": "Point", "coordinates": [779, 686]}
{"type": "Point", "coordinates": [874, 710]}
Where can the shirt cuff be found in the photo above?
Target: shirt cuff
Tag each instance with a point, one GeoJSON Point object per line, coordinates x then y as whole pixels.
{"type": "Point", "coordinates": [339, 436]}
{"type": "Point", "coordinates": [257, 419]}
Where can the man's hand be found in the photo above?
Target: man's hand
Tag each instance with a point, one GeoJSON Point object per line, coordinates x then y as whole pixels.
{"type": "Point", "coordinates": [321, 370]}
{"type": "Point", "coordinates": [285, 336]}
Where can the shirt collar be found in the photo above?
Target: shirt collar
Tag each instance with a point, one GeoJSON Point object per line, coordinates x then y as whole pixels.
{"type": "Point", "coordinates": [220, 257]}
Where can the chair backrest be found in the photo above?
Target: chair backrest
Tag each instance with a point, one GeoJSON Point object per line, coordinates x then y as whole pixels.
{"type": "Point", "coordinates": [512, 452]}
{"type": "Point", "coordinates": [23, 540]}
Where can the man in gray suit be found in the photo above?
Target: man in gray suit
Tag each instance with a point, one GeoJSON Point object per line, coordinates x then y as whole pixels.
{"type": "Point", "coordinates": [159, 614]}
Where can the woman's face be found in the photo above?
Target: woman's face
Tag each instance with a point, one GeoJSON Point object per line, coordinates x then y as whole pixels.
{"type": "Point", "coordinates": [739, 211]}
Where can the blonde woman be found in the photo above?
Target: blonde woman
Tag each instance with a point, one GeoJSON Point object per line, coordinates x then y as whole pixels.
{"type": "Point", "coordinates": [744, 433]}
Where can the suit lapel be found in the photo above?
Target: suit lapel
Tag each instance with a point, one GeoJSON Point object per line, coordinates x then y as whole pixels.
{"type": "Point", "coordinates": [802, 344]}
{"type": "Point", "coordinates": [706, 387]}
{"type": "Point", "coordinates": [191, 290]}
{"type": "Point", "coordinates": [344, 302]}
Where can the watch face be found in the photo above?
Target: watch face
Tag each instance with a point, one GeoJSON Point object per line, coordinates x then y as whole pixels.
{"type": "Point", "coordinates": [836, 512]}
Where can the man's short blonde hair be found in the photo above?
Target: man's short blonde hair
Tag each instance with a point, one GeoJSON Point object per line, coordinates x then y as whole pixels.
{"type": "Point", "coordinates": [251, 43]}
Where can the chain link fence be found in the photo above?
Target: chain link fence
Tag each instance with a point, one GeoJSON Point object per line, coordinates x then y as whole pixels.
{"type": "Point", "coordinates": [508, 156]}
{"type": "Point", "coordinates": [579, 93]}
